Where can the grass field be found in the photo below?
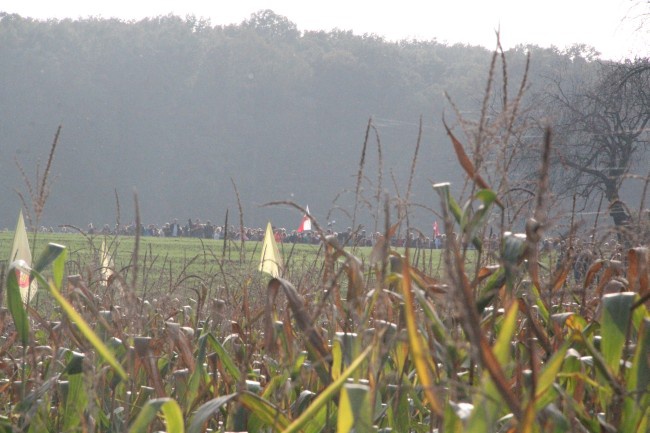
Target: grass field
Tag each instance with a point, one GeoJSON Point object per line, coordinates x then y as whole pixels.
{"type": "Point", "coordinates": [183, 265]}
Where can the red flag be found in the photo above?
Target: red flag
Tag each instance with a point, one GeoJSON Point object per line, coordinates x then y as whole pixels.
{"type": "Point", "coordinates": [305, 224]}
{"type": "Point", "coordinates": [436, 231]}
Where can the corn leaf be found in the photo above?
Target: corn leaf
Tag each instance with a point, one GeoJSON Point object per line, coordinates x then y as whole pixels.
{"type": "Point", "coordinates": [223, 355]}
{"type": "Point", "coordinates": [472, 220]}
{"type": "Point", "coordinates": [207, 411]}
{"type": "Point", "coordinates": [502, 346]}
{"type": "Point", "coordinates": [76, 400]}
{"type": "Point", "coordinates": [337, 358]}
{"type": "Point", "coordinates": [15, 302]}
{"type": "Point", "coordinates": [83, 326]}
{"type": "Point", "coordinates": [420, 357]}
{"type": "Point", "coordinates": [51, 252]}
{"type": "Point", "coordinates": [466, 163]}
{"type": "Point", "coordinates": [488, 404]}
{"type": "Point", "coordinates": [451, 421]}
{"type": "Point", "coordinates": [170, 410]}
{"type": "Point", "coordinates": [615, 320]}
{"type": "Point", "coordinates": [448, 201]}
{"type": "Point", "coordinates": [354, 412]}
{"type": "Point", "coordinates": [636, 409]}
{"type": "Point", "coordinates": [327, 394]}
{"type": "Point", "coordinates": [266, 412]}
{"type": "Point", "coordinates": [549, 374]}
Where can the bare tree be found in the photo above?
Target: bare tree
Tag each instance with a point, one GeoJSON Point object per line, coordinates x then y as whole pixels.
{"type": "Point", "coordinates": [602, 134]}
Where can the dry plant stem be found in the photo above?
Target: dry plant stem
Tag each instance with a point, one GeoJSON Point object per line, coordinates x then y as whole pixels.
{"type": "Point", "coordinates": [411, 175]}
{"type": "Point", "coordinates": [535, 227]}
{"type": "Point", "coordinates": [600, 205]}
{"type": "Point", "coordinates": [225, 235]}
{"type": "Point", "coordinates": [117, 212]}
{"type": "Point", "coordinates": [131, 293]}
{"type": "Point", "coordinates": [28, 214]}
{"type": "Point", "coordinates": [44, 190]}
{"type": "Point", "coordinates": [484, 112]}
{"type": "Point", "coordinates": [360, 172]}
{"type": "Point", "coordinates": [241, 223]}
{"type": "Point", "coordinates": [645, 191]}
{"type": "Point", "coordinates": [504, 70]}
{"type": "Point", "coordinates": [136, 248]}
{"type": "Point", "coordinates": [514, 111]}
{"type": "Point", "coordinates": [539, 333]}
{"type": "Point", "coordinates": [380, 171]}
{"type": "Point", "coordinates": [399, 204]}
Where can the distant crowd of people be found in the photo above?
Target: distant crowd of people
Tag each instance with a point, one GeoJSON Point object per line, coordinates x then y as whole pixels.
{"type": "Point", "coordinates": [582, 251]}
{"type": "Point", "coordinates": [195, 228]}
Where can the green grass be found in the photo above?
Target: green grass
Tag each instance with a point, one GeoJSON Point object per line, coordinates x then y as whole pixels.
{"type": "Point", "coordinates": [181, 266]}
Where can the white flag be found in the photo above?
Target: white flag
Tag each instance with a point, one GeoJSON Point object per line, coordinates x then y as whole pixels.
{"type": "Point", "coordinates": [305, 224]}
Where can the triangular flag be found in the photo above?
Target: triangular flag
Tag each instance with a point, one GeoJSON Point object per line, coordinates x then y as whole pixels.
{"type": "Point", "coordinates": [20, 251]}
{"type": "Point", "coordinates": [305, 224]}
{"type": "Point", "coordinates": [107, 265]}
{"type": "Point", "coordinates": [270, 261]}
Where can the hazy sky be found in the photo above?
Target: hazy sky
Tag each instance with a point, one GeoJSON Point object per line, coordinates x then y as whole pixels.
{"type": "Point", "coordinates": [611, 26]}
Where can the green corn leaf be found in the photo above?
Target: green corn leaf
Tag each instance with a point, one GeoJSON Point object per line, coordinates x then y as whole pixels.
{"type": "Point", "coordinates": [297, 365]}
{"type": "Point", "coordinates": [58, 267]}
{"type": "Point", "coordinates": [474, 219]}
{"type": "Point", "coordinates": [266, 412]}
{"type": "Point", "coordinates": [459, 215]}
{"type": "Point", "coordinates": [50, 253]}
{"type": "Point", "coordinates": [490, 289]}
{"type": "Point", "coordinates": [636, 408]}
{"type": "Point", "coordinates": [15, 302]}
{"type": "Point", "coordinates": [436, 324]}
{"type": "Point", "coordinates": [143, 396]}
{"type": "Point", "coordinates": [354, 412]}
{"type": "Point", "coordinates": [488, 404]}
{"type": "Point", "coordinates": [514, 246]}
{"type": "Point", "coordinates": [327, 394]}
{"type": "Point", "coordinates": [337, 358]}
{"type": "Point", "coordinates": [275, 382]}
{"type": "Point", "coordinates": [502, 347]}
{"type": "Point", "coordinates": [512, 252]}
{"type": "Point", "coordinates": [84, 328]}
{"type": "Point", "coordinates": [638, 377]}
{"type": "Point", "coordinates": [76, 400]}
{"type": "Point", "coordinates": [198, 376]}
{"type": "Point", "coordinates": [5, 425]}
{"type": "Point", "coordinates": [170, 410]}
{"type": "Point", "coordinates": [448, 201]}
{"type": "Point", "coordinates": [615, 321]}
{"type": "Point", "coordinates": [541, 306]}
{"type": "Point", "coordinates": [451, 421]}
{"type": "Point", "coordinates": [325, 416]}
{"type": "Point", "coordinates": [549, 373]}
{"type": "Point", "coordinates": [207, 411]}
{"type": "Point", "coordinates": [418, 349]}
{"type": "Point", "coordinates": [75, 363]}
{"type": "Point", "coordinates": [223, 355]}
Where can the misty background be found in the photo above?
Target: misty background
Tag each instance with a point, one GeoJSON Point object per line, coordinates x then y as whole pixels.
{"type": "Point", "coordinates": [177, 110]}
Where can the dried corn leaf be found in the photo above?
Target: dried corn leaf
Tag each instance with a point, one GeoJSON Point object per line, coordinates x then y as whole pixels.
{"type": "Point", "coordinates": [466, 163]}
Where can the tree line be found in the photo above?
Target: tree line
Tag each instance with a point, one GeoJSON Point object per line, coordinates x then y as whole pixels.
{"type": "Point", "coordinates": [200, 119]}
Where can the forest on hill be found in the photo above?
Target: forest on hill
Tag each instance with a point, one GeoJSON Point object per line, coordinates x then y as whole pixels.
{"type": "Point", "coordinates": [182, 112]}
